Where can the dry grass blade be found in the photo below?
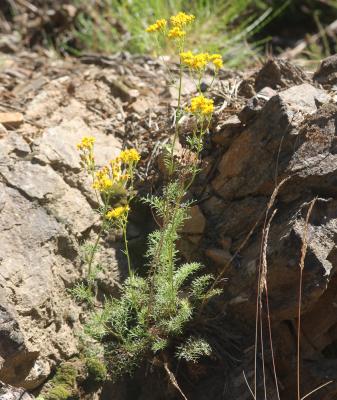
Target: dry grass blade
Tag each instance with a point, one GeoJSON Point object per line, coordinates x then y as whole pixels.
{"type": "Point", "coordinates": [264, 269]}
{"type": "Point", "coordinates": [250, 389]}
{"type": "Point", "coordinates": [303, 254]}
{"type": "Point", "coordinates": [260, 272]}
{"type": "Point", "coordinates": [315, 390]}
{"type": "Point", "coordinates": [173, 380]}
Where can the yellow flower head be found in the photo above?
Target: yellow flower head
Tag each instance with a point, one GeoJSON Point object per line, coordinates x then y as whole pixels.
{"type": "Point", "coordinates": [129, 156]}
{"type": "Point", "coordinates": [197, 61]}
{"type": "Point", "coordinates": [176, 33]}
{"type": "Point", "coordinates": [102, 181]}
{"type": "Point", "coordinates": [87, 142]}
{"type": "Point", "coordinates": [201, 105]}
{"type": "Point", "coordinates": [159, 25]}
{"type": "Point", "coordinates": [186, 57]}
{"type": "Point", "coordinates": [181, 19]}
{"type": "Point", "coordinates": [117, 213]}
{"type": "Point", "coordinates": [216, 59]}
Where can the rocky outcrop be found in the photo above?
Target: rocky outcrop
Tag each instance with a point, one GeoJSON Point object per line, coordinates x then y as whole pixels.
{"type": "Point", "coordinates": [290, 135]}
{"type": "Point", "coordinates": [8, 392]}
{"type": "Point", "coordinates": [45, 214]}
{"type": "Point", "coordinates": [285, 130]}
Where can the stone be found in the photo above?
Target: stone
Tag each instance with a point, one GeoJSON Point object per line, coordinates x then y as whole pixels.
{"type": "Point", "coordinates": [57, 145]}
{"type": "Point", "coordinates": [219, 256]}
{"type": "Point", "coordinates": [32, 280]}
{"type": "Point", "coordinates": [279, 74]}
{"type": "Point", "coordinates": [293, 135]}
{"type": "Point", "coordinates": [225, 130]}
{"type": "Point", "coordinates": [11, 120]}
{"type": "Point", "coordinates": [326, 73]}
{"type": "Point", "coordinates": [195, 225]}
{"type": "Point", "coordinates": [246, 167]}
{"type": "Point", "coordinates": [255, 104]}
{"type": "Point", "coordinates": [8, 392]}
{"type": "Point", "coordinates": [118, 87]}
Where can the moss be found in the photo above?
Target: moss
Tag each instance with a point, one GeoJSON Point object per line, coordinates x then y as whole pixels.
{"type": "Point", "coordinates": [59, 392]}
{"type": "Point", "coordinates": [97, 371]}
{"type": "Point", "coordinates": [63, 384]}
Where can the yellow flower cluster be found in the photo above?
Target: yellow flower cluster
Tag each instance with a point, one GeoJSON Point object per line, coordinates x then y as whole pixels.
{"type": "Point", "coordinates": [216, 59]}
{"type": "Point", "coordinates": [176, 33]}
{"type": "Point", "coordinates": [200, 61]}
{"type": "Point", "coordinates": [177, 23]}
{"type": "Point", "coordinates": [201, 105]}
{"type": "Point", "coordinates": [86, 143]}
{"type": "Point", "coordinates": [129, 156]}
{"type": "Point", "coordinates": [182, 19]}
{"type": "Point", "coordinates": [117, 213]}
{"type": "Point", "coordinates": [114, 174]}
{"type": "Point", "coordinates": [103, 181]}
{"type": "Point", "coordinates": [159, 25]}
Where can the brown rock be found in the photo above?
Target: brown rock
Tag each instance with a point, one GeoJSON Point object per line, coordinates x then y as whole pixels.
{"type": "Point", "coordinates": [195, 225]}
{"type": "Point", "coordinates": [225, 130]}
{"type": "Point", "coordinates": [11, 120]}
{"type": "Point", "coordinates": [279, 74]}
{"type": "Point", "coordinates": [219, 256]}
{"type": "Point", "coordinates": [255, 104]}
{"type": "Point", "coordinates": [246, 163]}
{"type": "Point", "coordinates": [326, 74]}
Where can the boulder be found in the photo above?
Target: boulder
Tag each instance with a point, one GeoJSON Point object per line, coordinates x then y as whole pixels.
{"type": "Point", "coordinates": [279, 74]}
{"type": "Point", "coordinates": [43, 218]}
{"type": "Point", "coordinates": [292, 136]}
{"type": "Point", "coordinates": [8, 392]}
{"type": "Point", "coordinates": [326, 73]}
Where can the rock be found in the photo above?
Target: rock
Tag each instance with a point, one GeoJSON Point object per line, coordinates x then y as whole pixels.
{"type": "Point", "coordinates": [118, 87]}
{"type": "Point", "coordinates": [246, 166]}
{"type": "Point", "coordinates": [219, 256]}
{"type": "Point", "coordinates": [8, 392]}
{"type": "Point", "coordinates": [246, 88]}
{"type": "Point", "coordinates": [195, 225]}
{"type": "Point", "coordinates": [57, 145]}
{"type": "Point", "coordinates": [225, 131]}
{"type": "Point", "coordinates": [279, 74]}
{"type": "Point", "coordinates": [255, 104]}
{"type": "Point", "coordinates": [11, 120]}
{"type": "Point", "coordinates": [33, 281]}
{"type": "Point", "coordinates": [41, 220]}
{"type": "Point", "coordinates": [141, 105]}
{"type": "Point", "coordinates": [293, 135]}
{"type": "Point", "coordinates": [326, 73]}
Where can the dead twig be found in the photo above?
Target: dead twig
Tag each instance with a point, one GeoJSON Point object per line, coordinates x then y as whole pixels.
{"type": "Point", "coordinates": [173, 380]}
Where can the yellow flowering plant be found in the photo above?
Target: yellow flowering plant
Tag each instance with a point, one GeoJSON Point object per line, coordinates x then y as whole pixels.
{"type": "Point", "coordinates": [152, 313]}
{"type": "Point", "coordinates": [113, 186]}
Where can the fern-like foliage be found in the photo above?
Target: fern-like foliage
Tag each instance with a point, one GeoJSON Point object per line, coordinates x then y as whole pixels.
{"type": "Point", "coordinates": [193, 349]}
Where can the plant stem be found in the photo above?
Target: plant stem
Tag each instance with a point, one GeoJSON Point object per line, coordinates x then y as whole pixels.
{"type": "Point", "coordinates": [92, 255]}
{"type": "Point", "coordinates": [126, 244]}
{"type": "Point", "coordinates": [176, 131]}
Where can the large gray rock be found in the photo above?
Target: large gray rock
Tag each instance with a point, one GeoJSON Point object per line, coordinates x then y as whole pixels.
{"type": "Point", "coordinates": [43, 217]}
{"type": "Point", "coordinates": [8, 392]}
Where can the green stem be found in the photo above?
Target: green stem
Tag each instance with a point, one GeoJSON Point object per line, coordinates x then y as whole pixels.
{"type": "Point", "coordinates": [92, 255]}
{"type": "Point", "coordinates": [126, 244]}
{"type": "Point", "coordinates": [177, 118]}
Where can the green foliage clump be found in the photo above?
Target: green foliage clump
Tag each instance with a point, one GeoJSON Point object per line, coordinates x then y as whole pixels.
{"type": "Point", "coordinates": [63, 384]}
{"type": "Point", "coordinates": [96, 369]}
